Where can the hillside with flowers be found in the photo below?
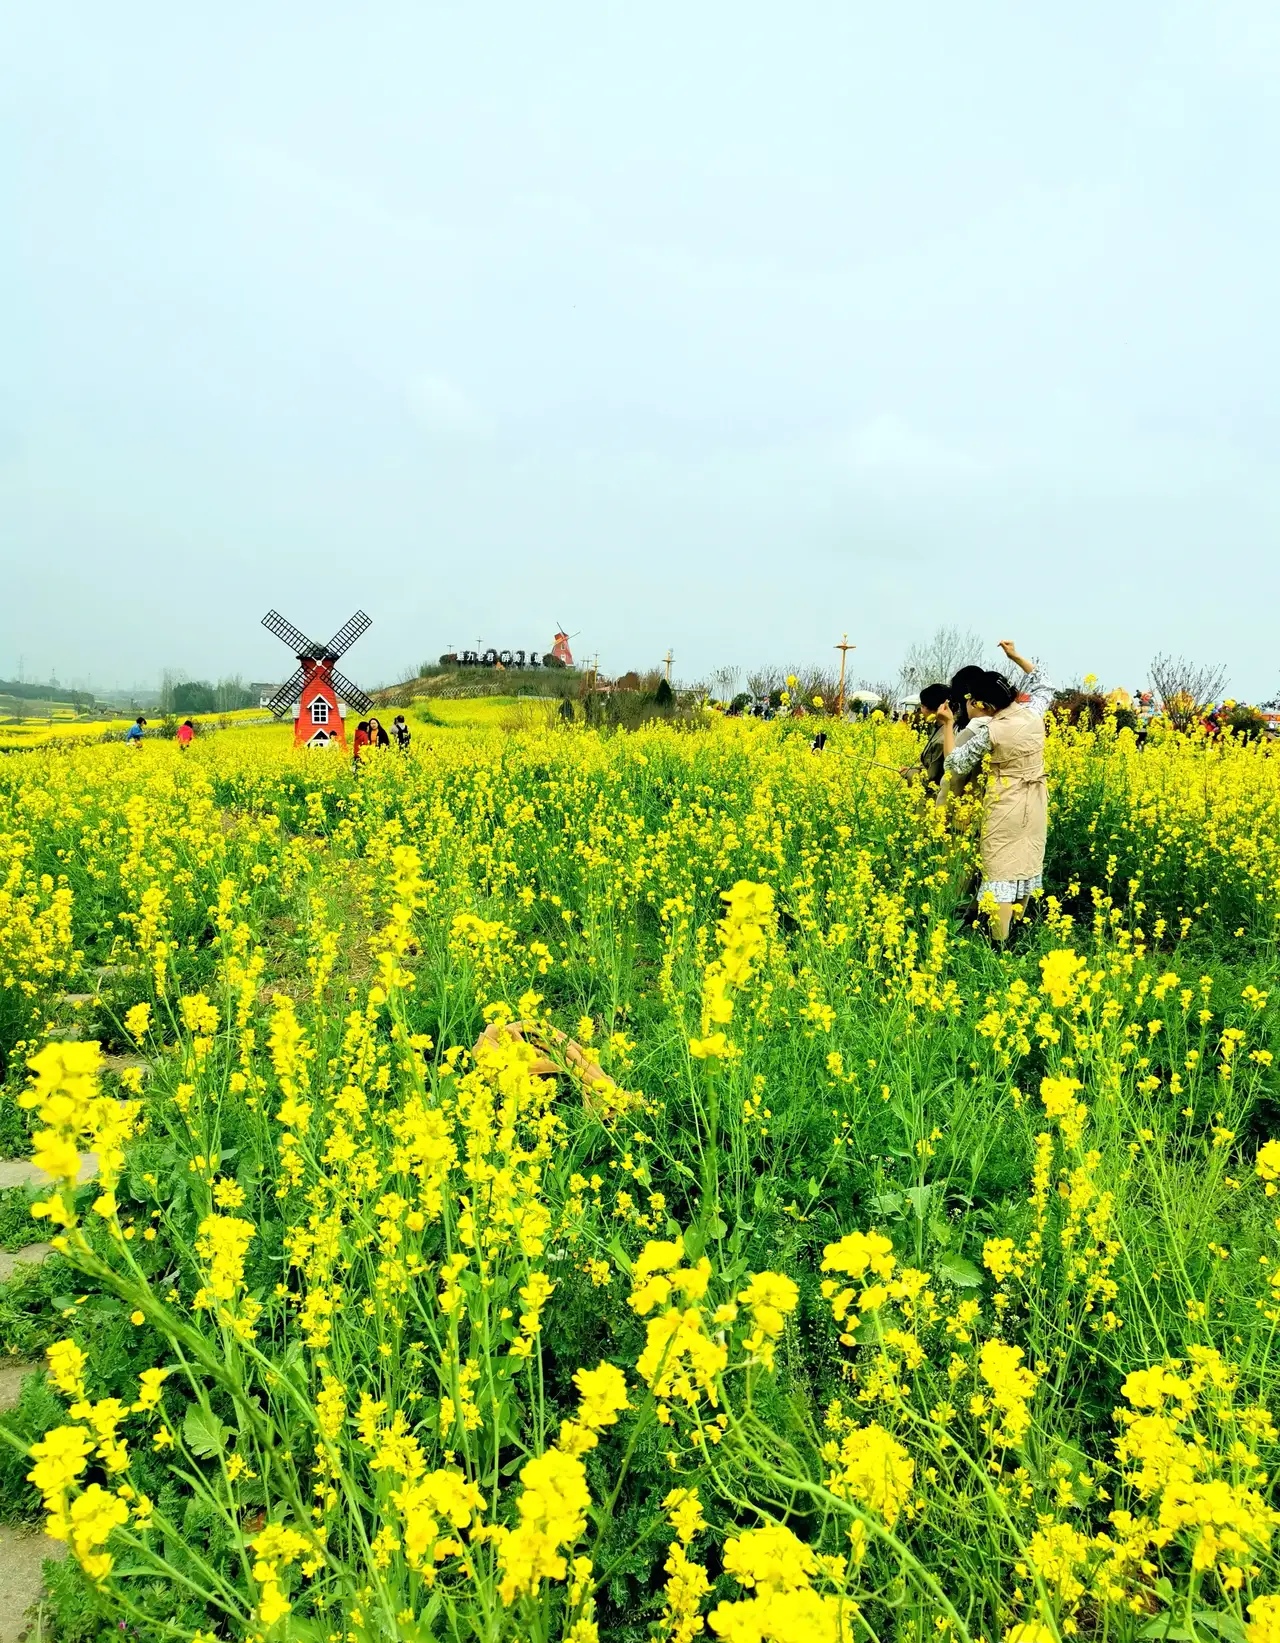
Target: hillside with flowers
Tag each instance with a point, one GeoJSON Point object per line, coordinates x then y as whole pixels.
{"type": "Point", "coordinates": [563, 1186]}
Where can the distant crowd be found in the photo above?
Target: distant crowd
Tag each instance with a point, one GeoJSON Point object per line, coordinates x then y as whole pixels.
{"type": "Point", "coordinates": [369, 733]}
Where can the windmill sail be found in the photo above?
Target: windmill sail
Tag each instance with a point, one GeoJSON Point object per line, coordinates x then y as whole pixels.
{"type": "Point", "coordinates": [287, 694]}
{"type": "Point", "coordinates": [347, 634]}
{"type": "Point", "coordinates": [349, 693]}
{"type": "Point", "coordinates": [295, 638]}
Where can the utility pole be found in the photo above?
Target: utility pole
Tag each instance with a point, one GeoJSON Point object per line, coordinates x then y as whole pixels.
{"type": "Point", "coordinates": [844, 647]}
{"type": "Point", "coordinates": [667, 661]}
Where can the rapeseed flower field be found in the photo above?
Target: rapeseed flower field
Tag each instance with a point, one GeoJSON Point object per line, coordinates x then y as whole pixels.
{"type": "Point", "coordinates": [65, 729]}
{"type": "Point", "coordinates": [562, 1186]}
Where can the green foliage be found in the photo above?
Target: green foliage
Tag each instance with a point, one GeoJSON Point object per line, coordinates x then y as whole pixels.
{"type": "Point", "coordinates": [196, 696]}
{"type": "Point", "coordinates": [1246, 722]}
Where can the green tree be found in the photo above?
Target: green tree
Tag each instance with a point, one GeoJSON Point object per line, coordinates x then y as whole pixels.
{"type": "Point", "coordinates": [195, 696]}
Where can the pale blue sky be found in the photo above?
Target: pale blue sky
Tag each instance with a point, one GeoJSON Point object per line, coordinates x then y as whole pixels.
{"type": "Point", "coordinates": [720, 326]}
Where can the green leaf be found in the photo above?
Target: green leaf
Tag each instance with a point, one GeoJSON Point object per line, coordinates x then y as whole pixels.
{"type": "Point", "coordinates": [1226, 1625]}
{"type": "Point", "coordinates": [204, 1434]}
{"type": "Point", "coordinates": [887, 1204]}
{"type": "Point", "coordinates": [918, 1197]}
{"type": "Point", "coordinates": [1162, 1626]}
{"type": "Point", "coordinates": [956, 1270]}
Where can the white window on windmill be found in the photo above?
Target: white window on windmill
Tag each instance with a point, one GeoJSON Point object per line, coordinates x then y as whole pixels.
{"type": "Point", "coordinates": [319, 711]}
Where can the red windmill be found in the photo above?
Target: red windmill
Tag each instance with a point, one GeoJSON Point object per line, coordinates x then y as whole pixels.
{"type": "Point", "coordinates": [560, 650]}
{"type": "Point", "coordinates": [317, 692]}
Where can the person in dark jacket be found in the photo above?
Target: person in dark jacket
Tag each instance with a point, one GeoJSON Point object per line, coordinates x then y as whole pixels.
{"type": "Point", "coordinates": [929, 765]}
{"type": "Point", "coordinates": [401, 732]}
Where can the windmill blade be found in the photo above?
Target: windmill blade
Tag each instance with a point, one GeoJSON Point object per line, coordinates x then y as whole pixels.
{"type": "Point", "coordinates": [295, 638]}
{"type": "Point", "coordinates": [347, 634]}
{"type": "Point", "coordinates": [351, 694]}
{"type": "Point", "coordinates": [287, 694]}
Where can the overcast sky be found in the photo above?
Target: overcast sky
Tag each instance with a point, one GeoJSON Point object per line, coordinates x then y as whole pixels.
{"type": "Point", "coordinates": [720, 326]}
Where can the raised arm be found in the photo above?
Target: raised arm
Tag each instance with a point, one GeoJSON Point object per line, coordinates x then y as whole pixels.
{"type": "Point", "coordinates": [1038, 686]}
{"type": "Point", "coordinates": [1010, 650]}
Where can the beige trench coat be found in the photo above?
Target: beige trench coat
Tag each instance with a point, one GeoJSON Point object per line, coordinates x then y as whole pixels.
{"type": "Point", "coordinates": [1017, 815]}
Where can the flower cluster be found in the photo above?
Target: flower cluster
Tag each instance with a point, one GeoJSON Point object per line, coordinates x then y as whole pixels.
{"type": "Point", "coordinates": [65, 1092]}
{"type": "Point", "coordinates": [743, 939]}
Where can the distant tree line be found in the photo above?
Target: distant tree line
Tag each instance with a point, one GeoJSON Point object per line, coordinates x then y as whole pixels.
{"type": "Point", "coordinates": [200, 696]}
{"type": "Point", "coordinates": [45, 693]}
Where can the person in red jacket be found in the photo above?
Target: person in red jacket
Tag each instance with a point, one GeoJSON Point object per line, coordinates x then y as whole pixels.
{"type": "Point", "coordinates": [186, 734]}
{"type": "Point", "coordinates": [358, 744]}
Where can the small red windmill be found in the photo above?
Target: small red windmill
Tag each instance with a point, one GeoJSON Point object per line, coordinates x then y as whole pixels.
{"type": "Point", "coordinates": [560, 650]}
{"type": "Point", "coordinates": [317, 692]}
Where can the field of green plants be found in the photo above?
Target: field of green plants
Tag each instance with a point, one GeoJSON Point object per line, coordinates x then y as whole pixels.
{"type": "Point", "coordinates": [571, 1186]}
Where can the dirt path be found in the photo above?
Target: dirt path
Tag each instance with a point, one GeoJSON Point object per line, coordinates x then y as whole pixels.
{"type": "Point", "coordinates": [22, 1556]}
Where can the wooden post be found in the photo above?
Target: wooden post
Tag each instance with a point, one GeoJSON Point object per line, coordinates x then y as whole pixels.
{"type": "Point", "coordinates": [667, 661]}
{"type": "Point", "coordinates": [844, 647]}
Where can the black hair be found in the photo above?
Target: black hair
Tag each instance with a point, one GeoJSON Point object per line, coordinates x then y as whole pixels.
{"type": "Point", "coordinates": [995, 691]}
{"type": "Point", "coordinates": [933, 696]}
{"type": "Point", "coordinates": [963, 681]}
{"type": "Point", "coordinates": [980, 684]}
{"type": "Point", "coordinates": [966, 681]}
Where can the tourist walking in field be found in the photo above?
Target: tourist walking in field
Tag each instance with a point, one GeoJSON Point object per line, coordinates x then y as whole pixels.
{"type": "Point", "coordinates": [369, 733]}
{"type": "Point", "coordinates": [1017, 815]}
{"type": "Point", "coordinates": [358, 744]}
{"type": "Point", "coordinates": [401, 732]}
{"type": "Point", "coordinates": [1145, 706]}
{"type": "Point", "coordinates": [186, 735]}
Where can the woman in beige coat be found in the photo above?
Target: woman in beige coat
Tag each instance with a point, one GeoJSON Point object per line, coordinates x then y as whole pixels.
{"type": "Point", "coordinates": [1017, 814]}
